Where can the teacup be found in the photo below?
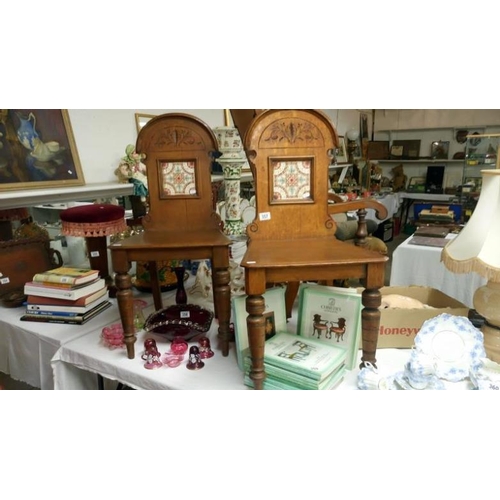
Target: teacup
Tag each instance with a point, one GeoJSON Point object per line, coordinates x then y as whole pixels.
{"type": "Point", "coordinates": [415, 379]}
{"type": "Point", "coordinates": [369, 378]}
{"type": "Point", "coordinates": [421, 364]}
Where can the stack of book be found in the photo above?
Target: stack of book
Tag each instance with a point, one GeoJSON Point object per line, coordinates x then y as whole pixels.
{"type": "Point", "coordinates": [65, 295]}
{"type": "Point", "coordinates": [297, 363]}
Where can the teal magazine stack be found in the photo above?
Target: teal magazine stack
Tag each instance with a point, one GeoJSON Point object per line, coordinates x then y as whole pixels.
{"type": "Point", "coordinates": [316, 356]}
{"type": "Point", "coordinates": [295, 363]}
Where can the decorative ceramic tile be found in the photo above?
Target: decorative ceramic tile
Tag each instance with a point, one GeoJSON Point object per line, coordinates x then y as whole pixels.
{"type": "Point", "coordinates": [291, 180]}
{"type": "Point", "coordinates": [179, 178]}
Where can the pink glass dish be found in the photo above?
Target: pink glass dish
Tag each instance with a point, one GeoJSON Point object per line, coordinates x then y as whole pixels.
{"type": "Point", "coordinates": [172, 360]}
{"type": "Point", "coordinates": [112, 336]}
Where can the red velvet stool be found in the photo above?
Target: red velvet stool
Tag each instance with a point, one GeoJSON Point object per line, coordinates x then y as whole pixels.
{"type": "Point", "coordinates": [95, 223]}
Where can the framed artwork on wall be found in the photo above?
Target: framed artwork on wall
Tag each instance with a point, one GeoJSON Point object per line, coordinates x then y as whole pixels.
{"type": "Point", "coordinates": [141, 119]}
{"type": "Point", "coordinates": [341, 152]}
{"type": "Point", "coordinates": [38, 150]}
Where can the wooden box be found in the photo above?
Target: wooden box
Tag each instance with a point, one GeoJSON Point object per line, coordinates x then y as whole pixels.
{"type": "Point", "coordinates": [20, 260]}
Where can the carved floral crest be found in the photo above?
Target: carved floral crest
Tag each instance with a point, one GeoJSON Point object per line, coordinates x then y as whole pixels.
{"type": "Point", "coordinates": [292, 131]}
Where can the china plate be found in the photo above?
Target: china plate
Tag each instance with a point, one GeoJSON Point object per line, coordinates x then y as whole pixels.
{"type": "Point", "coordinates": [454, 343]}
{"type": "Point", "coordinates": [248, 215]}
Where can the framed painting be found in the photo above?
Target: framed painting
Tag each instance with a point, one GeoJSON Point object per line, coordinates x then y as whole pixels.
{"type": "Point", "coordinates": [331, 315]}
{"type": "Point", "coordinates": [341, 151]}
{"type": "Point", "coordinates": [274, 315]}
{"type": "Point", "coordinates": [38, 150]}
{"type": "Point", "coordinates": [141, 119]}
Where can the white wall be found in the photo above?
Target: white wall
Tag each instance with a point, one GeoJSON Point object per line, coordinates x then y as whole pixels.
{"type": "Point", "coordinates": [101, 136]}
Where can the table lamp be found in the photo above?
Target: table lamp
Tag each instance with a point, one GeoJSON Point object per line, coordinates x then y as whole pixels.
{"type": "Point", "coordinates": [352, 143]}
{"type": "Point", "coordinates": [477, 249]}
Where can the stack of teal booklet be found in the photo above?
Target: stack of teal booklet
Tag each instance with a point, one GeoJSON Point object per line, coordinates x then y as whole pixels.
{"type": "Point", "coordinates": [298, 363]}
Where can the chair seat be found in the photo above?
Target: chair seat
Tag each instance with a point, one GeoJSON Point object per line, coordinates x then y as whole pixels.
{"type": "Point", "coordinates": [175, 240]}
{"type": "Point", "coordinates": [306, 252]}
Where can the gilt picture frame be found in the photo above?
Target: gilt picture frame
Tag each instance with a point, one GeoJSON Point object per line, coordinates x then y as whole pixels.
{"type": "Point", "coordinates": [341, 151]}
{"type": "Point", "coordinates": [38, 150]}
{"type": "Point", "coordinates": [141, 119]}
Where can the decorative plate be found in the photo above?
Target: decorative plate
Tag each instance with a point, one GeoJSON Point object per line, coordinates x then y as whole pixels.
{"type": "Point", "coordinates": [454, 343]}
{"type": "Point", "coordinates": [248, 215]}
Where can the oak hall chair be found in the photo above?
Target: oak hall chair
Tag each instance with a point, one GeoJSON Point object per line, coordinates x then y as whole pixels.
{"type": "Point", "coordinates": [181, 222]}
{"type": "Point", "coordinates": [292, 237]}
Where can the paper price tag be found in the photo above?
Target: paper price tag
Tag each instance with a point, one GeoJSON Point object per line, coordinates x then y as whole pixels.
{"type": "Point", "coordinates": [4, 281]}
{"type": "Point", "coordinates": [94, 254]}
{"type": "Point", "coordinates": [185, 314]}
{"type": "Point", "coordinates": [265, 216]}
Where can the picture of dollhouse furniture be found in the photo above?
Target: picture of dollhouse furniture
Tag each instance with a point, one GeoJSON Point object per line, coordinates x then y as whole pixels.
{"type": "Point", "coordinates": [293, 236]}
{"type": "Point", "coordinates": [181, 222]}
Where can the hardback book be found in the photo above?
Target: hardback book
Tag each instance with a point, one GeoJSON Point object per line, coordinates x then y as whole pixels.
{"type": "Point", "coordinates": [79, 319]}
{"type": "Point", "coordinates": [308, 357]}
{"type": "Point", "coordinates": [67, 275]}
{"type": "Point", "coordinates": [432, 231]}
{"type": "Point", "coordinates": [68, 310]}
{"type": "Point", "coordinates": [33, 288]}
{"type": "Point", "coordinates": [82, 301]}
{"type": "Point", "coordinates": [428, 241]}
{"type": "Point", "coordinates": [273, 383]}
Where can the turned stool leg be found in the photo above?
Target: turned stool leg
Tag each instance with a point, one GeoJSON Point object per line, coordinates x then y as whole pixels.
{"type": "Point", "coordinates": [98, 258]}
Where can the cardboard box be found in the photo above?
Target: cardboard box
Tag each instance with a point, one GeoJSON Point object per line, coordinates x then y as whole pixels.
{"type": "Point", "coordinates": [398, 327]}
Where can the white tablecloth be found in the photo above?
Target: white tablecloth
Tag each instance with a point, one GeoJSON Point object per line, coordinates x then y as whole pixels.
{"type": "Point", "coordinates": [421, 265]}
{"type": "Point", "coordinates": [26, 348]}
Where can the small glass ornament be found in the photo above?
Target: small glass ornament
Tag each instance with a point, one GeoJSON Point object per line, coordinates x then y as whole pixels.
{"type": "Point", "coordinates": [205, 348]}
{"type": "Point", "coordinates": [139, 319]}
{"type": "Point", "coordinates": [151, 355]}
{"type": "Point", "coordinates": [152, 358]}
{"type": "Point", "coordinates": [172, 360]}
{"type": "Point", "coordinates": [195, 362]}
{"type": "Point", "coordinates": [179, 346]}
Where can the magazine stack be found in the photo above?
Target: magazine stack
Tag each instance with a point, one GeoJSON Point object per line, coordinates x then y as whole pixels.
{"type": "Point", "coordinates": [65, 295]}
{"type": "Point", "coordinates": [297, 363]}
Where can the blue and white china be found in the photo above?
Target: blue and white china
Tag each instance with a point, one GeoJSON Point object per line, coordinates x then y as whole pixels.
{"type": "Point", "coordinates": [369, 379]}
{"type": "Point", "coordinates": [455, 345]}
{"type": "Point", "coordinates": [486, 376]}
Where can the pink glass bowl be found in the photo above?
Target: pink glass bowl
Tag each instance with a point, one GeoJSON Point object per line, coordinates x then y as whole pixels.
{"type": "Point", "coordinates": [179, 346]}
{"type": "Point", "coordinates": [112, 336]}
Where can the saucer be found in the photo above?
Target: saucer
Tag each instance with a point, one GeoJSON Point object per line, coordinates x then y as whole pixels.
{"type": "Point", "coordinates": [455, 345]}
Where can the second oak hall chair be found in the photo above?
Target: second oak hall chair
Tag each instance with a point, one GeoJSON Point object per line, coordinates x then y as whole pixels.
{"type": "Point", "coordinates": [292, 238]}
{"type": "Point", "coordinates": [181, 222]}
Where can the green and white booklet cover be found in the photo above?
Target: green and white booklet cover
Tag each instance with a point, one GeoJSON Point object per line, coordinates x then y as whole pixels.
{"type": "Point", "coordinates": [274, 314]}
{"type": "Point", "coordinates": [331, 315]}
{"type": "Point", "coordinates": [307, 357]}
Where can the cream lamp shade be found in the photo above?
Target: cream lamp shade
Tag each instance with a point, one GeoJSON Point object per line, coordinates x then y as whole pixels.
{"type": "Point", "coordinates": [477, 249]}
